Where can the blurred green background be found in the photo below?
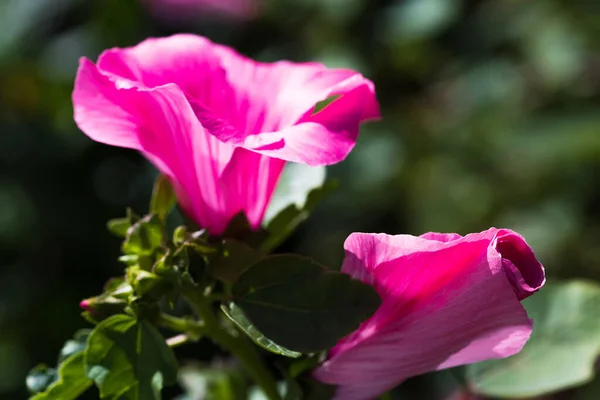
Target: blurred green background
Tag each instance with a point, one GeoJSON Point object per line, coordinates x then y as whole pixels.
{"type": "Point", "coordinates": [491, 118]}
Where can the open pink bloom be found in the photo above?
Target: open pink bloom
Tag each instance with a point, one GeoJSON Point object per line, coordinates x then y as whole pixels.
{"type": "Point", "coordinates": [221, 126]}
{"type": "Point", "coordinates": [447, 300]}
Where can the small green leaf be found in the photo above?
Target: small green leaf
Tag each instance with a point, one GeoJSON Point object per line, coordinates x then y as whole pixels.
{"type": "Point", "coordinates": [117, 285]}
{"type": "Point", "coordinates": [235, 314]}
{"type": "Point", "coordinates": [39, 378]}
{"type": "Point", "coordinates": [300, 304]}
{"type": "Point", "coordinates": [129, 359]}
{"type": "Point", "coordinates": [197, 240]}
{"type": "Point", "coordinates": [296, 182]}
{"type": "Point", "coordinates": [300, 189]}
{"type": "Point", "coordinates": [75, 345]}
{"type": "Point", "coordinates": [324, 103]}
{"type": "Point", "coordinates": [72, 380]}
{"type": "Point", "coordinates": [163, 197]}
{"type": "Point", "coordinates": [180, 235]}
{"type": "Point", "coordinates": [561, 352]}
{"type": "Point", "coordinates": [144, 236]}
{"type": "Point", "coordinates": [231, 260]}
{"type": "Point", "coordinates": [118, 226]}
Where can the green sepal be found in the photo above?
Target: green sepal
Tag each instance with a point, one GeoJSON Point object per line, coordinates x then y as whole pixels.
{"type": "Point", "coordinates": [144, 237]}
{"type": "Point", "coordinates": [163, 197]}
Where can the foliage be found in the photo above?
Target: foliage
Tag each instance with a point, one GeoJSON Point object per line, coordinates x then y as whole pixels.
{"type": "Point", "coordinates": [561, 352]}
{"type": "Point", "coordinates": [490, 119]}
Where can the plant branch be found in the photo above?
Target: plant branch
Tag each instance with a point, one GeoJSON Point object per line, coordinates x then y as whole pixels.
{"type": "Point", "coordinates": [191, 328]}
{"type": "Point", "coordinates": [238, 345]}
{"type": "Point", "coordinates": [179, 340]}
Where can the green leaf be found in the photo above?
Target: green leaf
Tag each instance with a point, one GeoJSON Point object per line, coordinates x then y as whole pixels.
{"type": "Point", "coordinates": [231, 260]}
{"type": "Point", "coordinates": [118, 226]}
{"type": "Point", "coordinates": [296, 182]}
{"type": "Point", "coordinates": [129, 359]}
{"type": "Point", "coordinates": [72, 380]}
{"type": "Point", "coordinates": [180, 235]}
{"type": "Point", "coordinates": [118, 288]}
{"type": "Point", "coordinates": [145, 283]}
{"type": "Point", "coordinates": [163, 197]}
{"type": "Point", "coordinates": [300, 189]}
{"type": "Point", "coordinates": [300, 304]}
{"type": "Point", "coordinates": [235, 314]}
{"type": "Point", "coordinates": [39, 378]}
{"type": "Point", "coordinates": [561, 351]}
{"type": "Point", "coordinates": [75, 345]}
{"type": "Point", "coordinates": [325, 103]}
{"type": "Point", "coordinates": [144, 236]}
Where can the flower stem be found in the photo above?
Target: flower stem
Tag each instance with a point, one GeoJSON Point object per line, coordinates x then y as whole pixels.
{"type": "Point", "coordinates": [179, 340]}
{"type": "Point", "coordinates": [238, 345]}
{"type": "Point", "coordinates": [192, 328]}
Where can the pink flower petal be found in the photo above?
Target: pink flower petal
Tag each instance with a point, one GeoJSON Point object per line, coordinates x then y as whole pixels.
{"type": "Point", "coordinates": [219, 124]}
{"type": "Point", "coordinates": [445, 303]}
{"type": "Point", "coordinates": [442, 237]}
{"type": "Point", "coordinates": [99, 112]}
{"type": "Point", "coordinates": [187, 151]}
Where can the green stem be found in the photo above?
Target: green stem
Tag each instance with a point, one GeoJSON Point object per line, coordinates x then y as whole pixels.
{"type": "Point", "coordinates": [179, 340]}
{"type": "Point", "coordinates": [192, 328]}
{"type": "Point", "coordinates": [238, 345]}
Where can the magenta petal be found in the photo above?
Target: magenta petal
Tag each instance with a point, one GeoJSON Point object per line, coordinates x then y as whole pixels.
{"type": "Point", "coordinates": [248, 183]}
{"type": "Point", "coordinates": [323, 138]}
{"type": "Point", "coordinates": [442, 237]}
{"type": "Point", "coordinates": [219, 124]}
{"type": "Point", "coordinates": [278, 108]}
{"type": "Point", "coordinates": [161, 124]}
{"type": "Point", "coordinates": [100, 112]}
{"type": "Point", "coordinates": [525, 272]}
{"type": "Point", "coordinates": [277, 95]}
{"type": "Point", "coordinates": [188, 61]}
{"type": "Point", "coordinates": [445, 303]}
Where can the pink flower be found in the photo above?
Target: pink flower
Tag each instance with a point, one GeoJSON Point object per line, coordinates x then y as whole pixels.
{"type": "Point", "coordinates": [221, 126]}
{"type": "Point", "coordinates": [447, 300]}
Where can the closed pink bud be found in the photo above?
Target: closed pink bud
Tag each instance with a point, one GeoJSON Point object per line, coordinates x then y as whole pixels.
{"type": "Point", "coordinates": [220, 125]}
{"type": "Point", "coordinates": [447, 300]}
{"type": "Point", "coordinates": [86, 305]}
